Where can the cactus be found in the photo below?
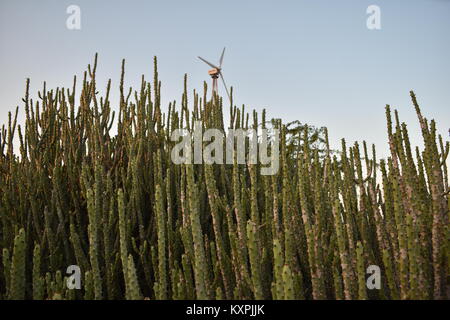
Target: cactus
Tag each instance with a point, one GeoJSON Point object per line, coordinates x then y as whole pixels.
{"type": "Point", "coordinates": [94, 245]}
{"type": "Point", "coordinates": [162, 259]}
{"type": "Point", "coordinates": [38, 281]}
{"type": "Point", "coordinates": [362, 294]}
{"type": "Point", "coordinates": [255, 258]}
{"type": "Point", "coordinates": [132, 280]}
{"type": "Point", "coordinates": [18, 268]}
{"type": "Point", "coordinates": [138, 225]}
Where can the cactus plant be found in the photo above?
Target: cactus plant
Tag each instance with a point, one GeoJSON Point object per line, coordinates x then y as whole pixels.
{"type": "Point", "coordinates": [76, 191]}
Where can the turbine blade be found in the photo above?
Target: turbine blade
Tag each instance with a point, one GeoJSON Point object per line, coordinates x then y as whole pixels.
{"type": "Point", "coordinates": [225, 85]}
{"type": "Point", "coordinates": [221, 58]}
{"type": "Point", "coordinates": [208, 63]}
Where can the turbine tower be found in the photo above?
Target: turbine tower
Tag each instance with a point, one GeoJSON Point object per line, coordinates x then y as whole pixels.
{"type": "Point", "coordinates": [215, 73]}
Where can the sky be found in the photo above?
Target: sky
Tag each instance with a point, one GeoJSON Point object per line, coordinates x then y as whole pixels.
{"type": "Point", "coordinates": [309, 60]}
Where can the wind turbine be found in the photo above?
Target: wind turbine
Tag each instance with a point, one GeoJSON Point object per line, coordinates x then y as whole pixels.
{"type": "Point", "coordinates": [215, 73]}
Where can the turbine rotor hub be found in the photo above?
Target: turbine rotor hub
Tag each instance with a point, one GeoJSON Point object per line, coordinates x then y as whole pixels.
{"type": "Point", "coordinates": [214, 72]}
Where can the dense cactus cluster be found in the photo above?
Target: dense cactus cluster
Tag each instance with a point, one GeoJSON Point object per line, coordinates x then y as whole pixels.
{"type": "Point", "coordinates": [141, 227]}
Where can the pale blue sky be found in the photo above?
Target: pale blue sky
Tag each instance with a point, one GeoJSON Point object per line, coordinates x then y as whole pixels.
{"type": "Point", "coordinates": [314, 60]}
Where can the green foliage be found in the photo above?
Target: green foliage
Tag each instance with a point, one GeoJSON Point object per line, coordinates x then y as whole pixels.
{"type": "Point", "coordinates": [77, 191]}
